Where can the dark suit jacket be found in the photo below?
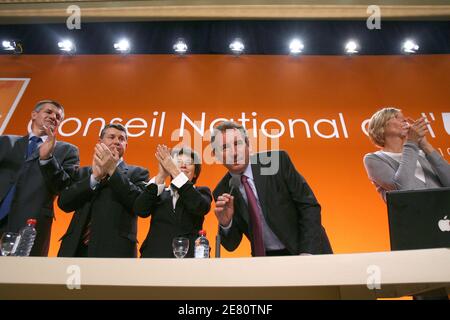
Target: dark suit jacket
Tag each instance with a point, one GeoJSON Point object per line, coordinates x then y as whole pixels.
{"type": "Point", "coordinates": [109, 208]}
{"type": "Point", "coordinates": [36, 185]}
{"type": "Point", "coordinates": [186, 220]}
{"type": "Point", "coordinates": [288, 204]}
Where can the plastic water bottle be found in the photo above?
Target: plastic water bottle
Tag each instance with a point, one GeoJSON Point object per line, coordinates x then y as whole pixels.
{"type": "Point", "coordinates": [201, 245]}
{"type": "Point", "coordinates": [27, 235]}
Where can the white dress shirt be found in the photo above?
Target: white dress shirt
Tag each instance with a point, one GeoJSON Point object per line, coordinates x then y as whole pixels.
{"type": "Point", "coordinates": [179, 181]}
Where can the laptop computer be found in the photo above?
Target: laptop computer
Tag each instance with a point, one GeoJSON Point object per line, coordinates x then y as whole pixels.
{"type": "Point", "coordinates": [419, 219]}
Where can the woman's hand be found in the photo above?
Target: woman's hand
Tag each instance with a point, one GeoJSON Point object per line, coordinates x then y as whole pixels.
{"type": "Point", "coordinates": [162, 175]}
{"type": "Point", "coordinates": [417, 130]}
{"type": "Point", "coordinates": [166, 161]}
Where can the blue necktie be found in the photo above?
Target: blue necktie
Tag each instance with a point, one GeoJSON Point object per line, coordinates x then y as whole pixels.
{"type": "Point", "coordinates": [32, 146]}
{"type": "Point", "coordinates": [5, 206]}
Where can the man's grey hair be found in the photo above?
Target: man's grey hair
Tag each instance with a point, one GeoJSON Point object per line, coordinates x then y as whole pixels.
{"type": "Point", "coordinates": [228, 125]}
{"type": "Point", "coordinates": [41, 104]}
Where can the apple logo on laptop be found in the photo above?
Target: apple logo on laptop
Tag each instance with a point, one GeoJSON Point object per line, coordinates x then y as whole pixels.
{"type": "Point", "coordinates": [444, 224]}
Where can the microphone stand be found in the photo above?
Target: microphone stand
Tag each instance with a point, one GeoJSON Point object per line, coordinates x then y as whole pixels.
{"type": "Point", "coordinates": [218, 243]}
{"type": "Point", "coordinates": [218, 238]}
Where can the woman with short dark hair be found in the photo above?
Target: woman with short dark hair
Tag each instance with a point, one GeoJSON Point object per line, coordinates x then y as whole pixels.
{"type": "Point", "coordinates": [178, 210]}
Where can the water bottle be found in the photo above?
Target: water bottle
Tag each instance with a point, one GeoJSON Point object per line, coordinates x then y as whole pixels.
{"type": "Point", "coordinates": [27, 235]}
{"type": "Point", "coordinates": [201, 245]}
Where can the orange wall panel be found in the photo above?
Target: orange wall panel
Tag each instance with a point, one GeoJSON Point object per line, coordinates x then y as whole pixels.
{"type": "Point", "coordinates": [332, 94]}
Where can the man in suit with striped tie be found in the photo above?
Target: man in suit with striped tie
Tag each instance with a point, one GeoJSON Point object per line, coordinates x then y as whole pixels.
{"type": "Point", "coordinates": [264, 198]}
{"type": "Point", "coordinates": [102, 196]}
{"type": "Point", "coordinates": [33, 170]}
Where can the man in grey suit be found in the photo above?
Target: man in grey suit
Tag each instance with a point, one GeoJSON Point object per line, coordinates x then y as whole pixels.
{"type": "Point", "coordinates": [33, 170]}
{"type": "Point", "coordinates": [272, 204]}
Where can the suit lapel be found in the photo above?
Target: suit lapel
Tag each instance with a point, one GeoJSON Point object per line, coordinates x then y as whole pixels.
{"type": "Point", "coordinates": [22, 146]}
{"type": "Point", "coordinates": [166, 200]}
{"type": "Point", "coordinates": [124, 167]}
{"type": "Point", "coordinates": [178, 210]}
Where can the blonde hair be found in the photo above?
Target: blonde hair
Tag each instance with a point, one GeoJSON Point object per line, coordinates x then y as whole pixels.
{"type": "Point", "coordinates": [378, 122]}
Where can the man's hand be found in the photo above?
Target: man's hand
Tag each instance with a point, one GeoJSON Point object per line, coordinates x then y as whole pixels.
{"type": "Point", "coordinates": [97, 171]}
{"type": "Point", "coordinates": [105, 159]}
{"type": "Point", "coordinates": [46, 149]}
{"type": "Point", "coordinates": [224, 209]}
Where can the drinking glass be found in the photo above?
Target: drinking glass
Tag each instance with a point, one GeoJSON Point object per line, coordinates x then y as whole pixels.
{"type": "Point", "coordinates": [180, 247]}
{"type": "Point", "coordinates": [8, 243]}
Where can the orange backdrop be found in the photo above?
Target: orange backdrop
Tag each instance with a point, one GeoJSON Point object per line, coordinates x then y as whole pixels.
{"type": "Point", "coordinates": [320, 90]}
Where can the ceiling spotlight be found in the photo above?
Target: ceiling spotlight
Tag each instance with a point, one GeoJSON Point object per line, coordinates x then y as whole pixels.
{"type": "Point", "coordinates": [180, 47]}
{"type": "Point", "coordinates": [351, 47]}
{"type": "Point", "coordinates": [123, 46]}
{"type": "Point", "coordinates": [66, 46]}
{"type": "Point", "coordinates": [409, 46]}
{"type": "Point", "coordinates": [237, 47]}
{"type": "Point", "coordinates": [296, 47]}
{"type": "Point", "coordinates": [12, 46]}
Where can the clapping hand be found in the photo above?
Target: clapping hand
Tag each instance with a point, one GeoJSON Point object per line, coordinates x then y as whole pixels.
{"type": "Point", "coordinates": [417, 129]}
{"type": "Point", "coordinates": [165, 161]}
{"type": "Point", "coordinates": [47, 148]}
{"type": "Point", "coordinates": [105, 159]}
{"type": "Point", "coordinates": [417, 132]}
{"type": "Point", "coordinates": [97, 170]}
{"type": "Point", "coordinates": [162, 174]}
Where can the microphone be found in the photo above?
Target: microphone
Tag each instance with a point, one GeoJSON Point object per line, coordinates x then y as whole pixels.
{"type": "Point", "coordinates": [234, 184]}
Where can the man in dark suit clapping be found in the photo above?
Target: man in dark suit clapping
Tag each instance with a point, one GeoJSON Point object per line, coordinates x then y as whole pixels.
{"type": "Point", "coordinates": [33, 170]}
{"type": "Point", "coordinates": [271, 203]}
{"type": "Point", "coordinates": [102, 197]}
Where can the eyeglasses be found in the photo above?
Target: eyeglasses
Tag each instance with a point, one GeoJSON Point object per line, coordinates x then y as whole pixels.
{"type": "Point", "coordinates": [186, 162]}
